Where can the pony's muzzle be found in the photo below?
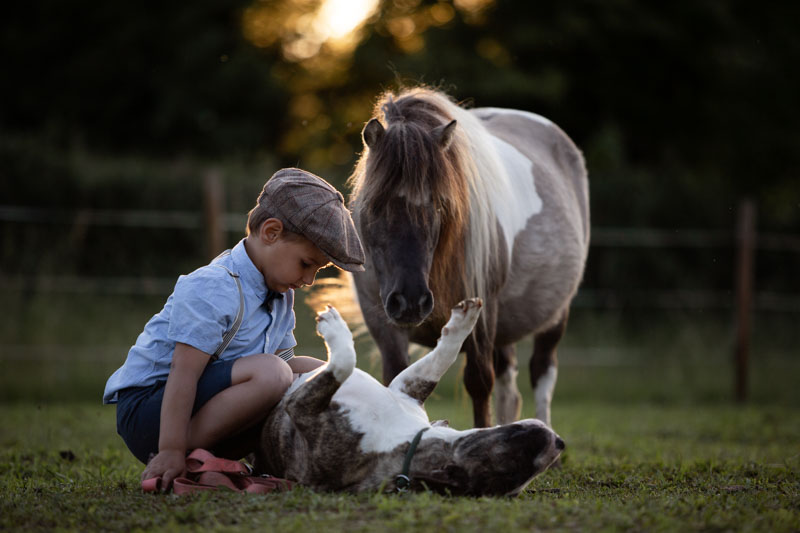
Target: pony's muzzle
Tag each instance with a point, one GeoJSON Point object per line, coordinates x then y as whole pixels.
{"type": "Point", "coordinates": [403, 311]}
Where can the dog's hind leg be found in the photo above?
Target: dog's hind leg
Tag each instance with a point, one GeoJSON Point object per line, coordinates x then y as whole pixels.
{"type": "Point", "coordinates": [419, 379]}
{"type": "Point", "coordinates": [316, 393]}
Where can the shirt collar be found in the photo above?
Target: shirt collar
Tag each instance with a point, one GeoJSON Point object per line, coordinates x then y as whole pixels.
{"type": "Point", "coordinates": [247, 270]}
{"type": "Point", "coordinates": [252, 276]}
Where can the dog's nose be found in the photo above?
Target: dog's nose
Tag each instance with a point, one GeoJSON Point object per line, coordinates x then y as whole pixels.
{"type": "Point", "coordinates": [560, 445]}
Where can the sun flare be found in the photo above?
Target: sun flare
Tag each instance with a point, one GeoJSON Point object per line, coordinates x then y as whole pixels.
{"type": "Point", "coordinates": [339, 18]}
{"type": "Point", "coordinates": [301, 31]}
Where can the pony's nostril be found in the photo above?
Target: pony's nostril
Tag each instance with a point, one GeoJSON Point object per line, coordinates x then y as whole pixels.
{"type": "Point", "coordinates": [395, 304]}
{"type": "Point", "coordinates": [426, 303]}
{"type": "Point", "coordinates": [560, 445]}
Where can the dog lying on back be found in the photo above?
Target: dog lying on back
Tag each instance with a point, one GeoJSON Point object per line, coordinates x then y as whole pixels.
{"type": "Point", "coordinates": [339, 429]}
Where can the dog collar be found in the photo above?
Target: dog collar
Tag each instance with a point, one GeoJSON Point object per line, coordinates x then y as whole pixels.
{"type": "Point", "coordinates": [402, 481]}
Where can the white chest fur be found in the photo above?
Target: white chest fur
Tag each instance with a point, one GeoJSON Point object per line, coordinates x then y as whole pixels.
{"type": "Point", "coordinates": [385, 418]}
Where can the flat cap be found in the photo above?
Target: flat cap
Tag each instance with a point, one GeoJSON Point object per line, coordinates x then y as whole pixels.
{"type": "Point", "coordinates": [312, 207]}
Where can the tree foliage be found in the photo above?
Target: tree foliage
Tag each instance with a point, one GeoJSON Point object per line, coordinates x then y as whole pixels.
{"type": "Point", "coordinates": [681, 107]}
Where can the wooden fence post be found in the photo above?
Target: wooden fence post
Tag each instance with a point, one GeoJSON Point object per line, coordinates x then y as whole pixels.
{"type": "Point", "coordinates": [214, 200]}
{"type": "Point", "coordinates": [745, 262]}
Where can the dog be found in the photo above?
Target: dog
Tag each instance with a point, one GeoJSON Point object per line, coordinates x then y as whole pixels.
{"type": "Point", "coordinates": [339, 429]}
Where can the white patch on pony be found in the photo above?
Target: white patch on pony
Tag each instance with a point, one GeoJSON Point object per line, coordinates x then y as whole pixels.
{"type": "Point", "coordinates": [507, 397]}
{"type": "Point", "coordinates": [527, 114]}
{"type": "Point", "coordinates": [543, 392]}
{"type": "Point", "coordinates": [520, 201]}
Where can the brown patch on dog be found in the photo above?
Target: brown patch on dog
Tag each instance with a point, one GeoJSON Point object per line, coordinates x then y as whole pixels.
{"type": "Point", "coordinates": [419, 388]}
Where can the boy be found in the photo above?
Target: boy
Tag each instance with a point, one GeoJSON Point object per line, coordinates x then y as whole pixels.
{"type": "Point", "coordinates": [220, 354]}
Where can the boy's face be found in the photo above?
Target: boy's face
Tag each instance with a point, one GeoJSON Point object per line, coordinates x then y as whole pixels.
{"type": "Point", "coordinates": [285, 262]}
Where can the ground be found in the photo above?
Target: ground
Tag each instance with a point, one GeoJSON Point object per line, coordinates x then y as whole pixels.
{"type": "Point", "coordinates": [643, 401]}
{"type": "Point", "coordinates": [632, 467]}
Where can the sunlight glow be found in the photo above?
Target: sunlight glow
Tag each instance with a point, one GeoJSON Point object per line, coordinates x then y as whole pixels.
{"type": "Point", "coordinates": [335, 23]}
{"type": "Point", "coordinates": [338, 18]}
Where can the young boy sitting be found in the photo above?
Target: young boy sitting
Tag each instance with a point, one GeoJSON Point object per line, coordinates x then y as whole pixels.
{"type": "Point", "coordinates": [220, 354]}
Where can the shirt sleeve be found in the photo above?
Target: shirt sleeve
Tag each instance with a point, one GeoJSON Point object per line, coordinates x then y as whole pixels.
{"type": "Point", "coordinates": [204, 307]}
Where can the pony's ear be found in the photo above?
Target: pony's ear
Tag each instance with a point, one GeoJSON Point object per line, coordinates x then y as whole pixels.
{"type": "Point", "coordinates": [373, 132]}
{"type": "Point", "coordinates": [444, 134]}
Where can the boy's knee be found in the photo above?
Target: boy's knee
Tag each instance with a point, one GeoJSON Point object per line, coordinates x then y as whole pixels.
{"type": "Point", "coordinates": [281, 372]}
{"type": "Point", "coordinates": [269, 371]}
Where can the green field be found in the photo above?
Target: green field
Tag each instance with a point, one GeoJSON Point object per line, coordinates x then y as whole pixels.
{"type": "Point", "coordinates": [654, 441]}
{"type": "Point", "coordinates": [630, 467]}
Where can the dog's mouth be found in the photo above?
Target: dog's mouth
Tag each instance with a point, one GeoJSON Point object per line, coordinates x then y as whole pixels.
{"type": "Point", "coordinates": [546, 460]}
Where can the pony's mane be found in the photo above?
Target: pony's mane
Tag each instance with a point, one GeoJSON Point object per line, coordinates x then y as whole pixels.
{"type": "Point", "coordinates": [408, 164]}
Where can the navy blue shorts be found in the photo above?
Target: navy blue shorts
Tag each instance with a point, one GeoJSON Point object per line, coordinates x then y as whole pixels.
{"type": "Point", "coordinates": [139, 408]}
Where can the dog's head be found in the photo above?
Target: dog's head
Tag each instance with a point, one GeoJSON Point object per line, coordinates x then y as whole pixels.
{"type": "Point", "coordinates": [497, 461]}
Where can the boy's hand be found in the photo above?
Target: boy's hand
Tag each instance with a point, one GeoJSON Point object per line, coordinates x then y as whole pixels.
{"type": "Point", "coordinates": [168, 465]}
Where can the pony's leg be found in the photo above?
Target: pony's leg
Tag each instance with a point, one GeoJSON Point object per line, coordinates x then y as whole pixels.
{"type": "Point", "coordinates": [419, 379]}
{"type": "Point", "coordinates": [391, 341]}
{"type": "Point", "coordinates": [544, 367]}
{"type": "Point", "coordinates": [393, 345]}
{"type": "Point", "coordinates": [508, 400]}
{"type": "Point", "coordinates": [479, 370]}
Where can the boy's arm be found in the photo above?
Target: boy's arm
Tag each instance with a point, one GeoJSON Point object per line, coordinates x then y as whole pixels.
{"type": "Point", "coordinates": [188, 364]}
{"type": "Point", "coordinates": [301, 364]}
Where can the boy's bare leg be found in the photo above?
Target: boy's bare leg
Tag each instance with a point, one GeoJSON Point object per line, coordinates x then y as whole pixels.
{"type": "Point", "coordinates": [246, 441]}
{"type": "Point", "coordinates": [258, 382]}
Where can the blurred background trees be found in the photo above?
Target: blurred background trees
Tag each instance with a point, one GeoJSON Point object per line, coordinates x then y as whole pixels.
{"type": "Point", "coordinates": [680, 107]}
{"type": "Point", "coordinates": [112, 110]}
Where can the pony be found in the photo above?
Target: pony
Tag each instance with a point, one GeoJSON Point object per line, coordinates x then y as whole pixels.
{"type": "Point", "coordinates": [453, 203]}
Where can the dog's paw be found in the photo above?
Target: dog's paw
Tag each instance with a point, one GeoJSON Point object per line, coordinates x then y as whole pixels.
{"type": "Point", "coordinates": [463, 318]}
{"type": "Point", "coordinates": [339, 340]}
{"type": "Point", "coordinates": [331, 326]}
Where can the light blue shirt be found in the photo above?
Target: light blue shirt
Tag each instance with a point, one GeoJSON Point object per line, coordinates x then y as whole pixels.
{"type": "Point", "coordinates": [200, 310]}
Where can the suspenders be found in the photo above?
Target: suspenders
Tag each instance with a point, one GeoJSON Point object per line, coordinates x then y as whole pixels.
{"type": "Point", "coordinates": [231, 333]}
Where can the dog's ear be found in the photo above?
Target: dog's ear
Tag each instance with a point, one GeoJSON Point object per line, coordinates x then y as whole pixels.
{"type": "Point", "coordinates": [451, 479]}
{"type": "Point", "coordinates": [440, 424]}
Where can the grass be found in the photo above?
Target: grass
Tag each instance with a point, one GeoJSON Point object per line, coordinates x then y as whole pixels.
{"type": "Point", "coordinates": [643, 402]}
{"type": "Point", "coordinates": [634, 467]}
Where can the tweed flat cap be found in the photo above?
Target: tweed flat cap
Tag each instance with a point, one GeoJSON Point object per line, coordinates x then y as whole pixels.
{"type": "Point", "coordinates": [312, 207]}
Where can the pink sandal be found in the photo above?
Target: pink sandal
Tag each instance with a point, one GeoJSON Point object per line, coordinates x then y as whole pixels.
{"type": "Point", "coordinates": [207, 472]}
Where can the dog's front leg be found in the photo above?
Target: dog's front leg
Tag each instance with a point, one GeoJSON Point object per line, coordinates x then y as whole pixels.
{"type": "Point", "coordinates": [419, 379]}
{"type": "Point", "coordinates": [315, 394]}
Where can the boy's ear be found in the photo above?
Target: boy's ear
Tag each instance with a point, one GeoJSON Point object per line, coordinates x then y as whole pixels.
{"type": "Point", "coordinates": [270, 230]}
